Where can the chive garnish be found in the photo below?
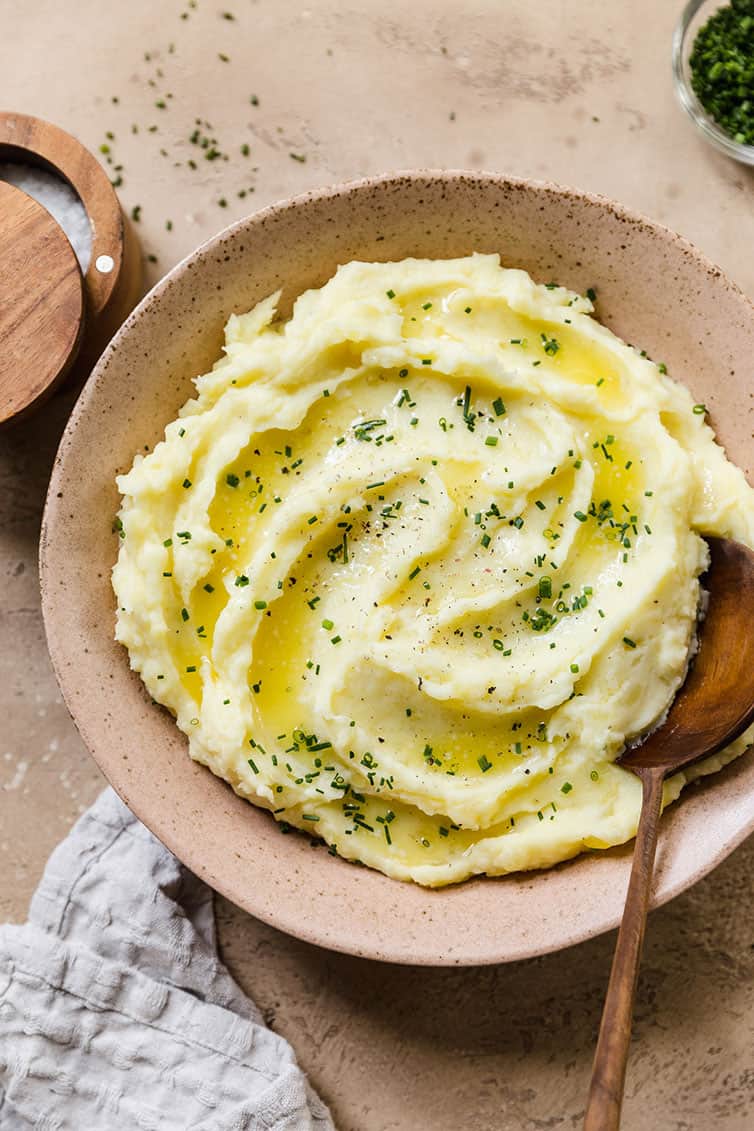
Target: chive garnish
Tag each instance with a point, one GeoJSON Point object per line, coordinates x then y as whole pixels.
{"type": "Point", "coordinates": [545, 587]}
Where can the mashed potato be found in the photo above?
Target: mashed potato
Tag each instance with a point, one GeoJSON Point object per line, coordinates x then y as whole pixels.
{"type": "Point", "coordinates": [414, 566]}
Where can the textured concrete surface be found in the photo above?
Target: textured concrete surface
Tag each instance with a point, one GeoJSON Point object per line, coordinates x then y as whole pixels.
{"type": "Point", "coordinates": [578, 93]}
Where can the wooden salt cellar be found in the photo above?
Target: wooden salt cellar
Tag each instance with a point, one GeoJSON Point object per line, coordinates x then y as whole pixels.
{"type": "Point", "coordinates": [50, 315]}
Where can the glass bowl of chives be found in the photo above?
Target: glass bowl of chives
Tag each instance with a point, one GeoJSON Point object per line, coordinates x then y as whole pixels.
{"type": "Point", "coordinates": [713, 72]}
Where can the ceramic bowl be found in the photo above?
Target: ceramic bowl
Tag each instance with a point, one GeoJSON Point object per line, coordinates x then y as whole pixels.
{"type": "Point", "coordinates": [653, 289]}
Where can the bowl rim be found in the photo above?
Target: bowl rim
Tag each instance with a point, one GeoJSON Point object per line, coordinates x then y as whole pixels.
{"type": "Point", "coordinates": [298, 927]}
{"type": "Point", "coordinates": [337, 188]}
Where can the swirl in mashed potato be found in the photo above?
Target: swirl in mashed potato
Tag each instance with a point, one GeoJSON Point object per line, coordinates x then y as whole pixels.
{"type": "Point", "coordinates": [414, 566]}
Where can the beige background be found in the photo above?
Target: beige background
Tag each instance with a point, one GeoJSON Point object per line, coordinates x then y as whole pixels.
{"type": "Point", "coordinates": [578, 92]}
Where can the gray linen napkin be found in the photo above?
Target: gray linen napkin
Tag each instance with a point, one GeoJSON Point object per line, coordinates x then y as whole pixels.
{"type": "Point", "coordinates": [115, 1010]}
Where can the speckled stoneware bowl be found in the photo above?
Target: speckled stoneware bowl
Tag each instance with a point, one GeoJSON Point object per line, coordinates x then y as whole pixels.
{"type": "Point", "coordinates": [653, 288]}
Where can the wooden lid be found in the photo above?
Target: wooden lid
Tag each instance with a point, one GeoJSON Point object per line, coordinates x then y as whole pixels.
{"type": "Point", "coordinates": [111, 286]}
{"type": "Point", "coordinates": [41, 303]}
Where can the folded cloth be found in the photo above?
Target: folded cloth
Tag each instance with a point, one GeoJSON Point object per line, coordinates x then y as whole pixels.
{"type": "Point", "coordinates": [116, 1011]}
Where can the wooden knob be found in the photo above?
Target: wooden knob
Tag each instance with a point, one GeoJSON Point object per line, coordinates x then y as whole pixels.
{"type": "Point", "coordinates": [41, 303]}
{"type": "Point", "coordinates": [112, 283]}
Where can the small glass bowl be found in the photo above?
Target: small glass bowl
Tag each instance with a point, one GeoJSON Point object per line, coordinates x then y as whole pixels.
{"type": "Point", "coordinates": [694, 16]}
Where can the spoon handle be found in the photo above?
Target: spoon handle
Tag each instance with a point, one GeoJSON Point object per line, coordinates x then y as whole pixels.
{"type": "Point", "coordinates": [609, 1069]}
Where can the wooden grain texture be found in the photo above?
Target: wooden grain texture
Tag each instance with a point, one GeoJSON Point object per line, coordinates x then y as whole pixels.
{"type": "Point", "coordinates": [714, 706]}
{"type": "Point", "coordinates": [41, 303]}
{"type": "Point", "coordinates": [609, 1071]}
{"type": "Point", "coordinates": [109, 294]}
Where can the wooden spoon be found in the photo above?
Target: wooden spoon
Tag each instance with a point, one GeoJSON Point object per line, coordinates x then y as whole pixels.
{"type": "Point", "coordinates": [714, 706]}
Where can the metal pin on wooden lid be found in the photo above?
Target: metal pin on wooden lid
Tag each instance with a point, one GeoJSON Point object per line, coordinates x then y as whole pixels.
{"type": "Point", "coordinates": [51, 316]}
